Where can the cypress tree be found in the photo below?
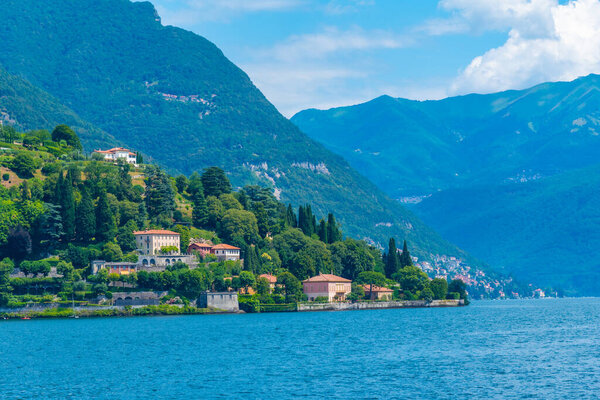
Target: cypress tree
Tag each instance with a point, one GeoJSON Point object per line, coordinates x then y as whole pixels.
{"type": "Point", "coordinates": [323, 231]}
{"type": "Point", "coordinates": [392, 262]}
{"type": "Point", "coordinates": [405, 258]}
{"type": "Point", "coordinates": [333, 232]}
{"type": "Point", "coordinates": [85, 219]}
{"type": "Point", "coordinates": [67, 205]}
{"type": "Point", "coordinates": [142, 216]}
{"type": "Point", "coordinates": [262, 219]}
{"type": "Point", "coordinates": [105, 222]}
{"type": "Point", "coordinates": [302, 219]}
{"type": "Point", "coordinates": [290, 218]}
{"type": "Point", "coordinates": [200, 209]}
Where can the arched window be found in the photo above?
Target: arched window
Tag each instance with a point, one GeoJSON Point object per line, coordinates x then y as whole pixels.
{"type": "Point", "coordinates": [152, 261]}
{"type": "Point", "coordinates": [145, 262]}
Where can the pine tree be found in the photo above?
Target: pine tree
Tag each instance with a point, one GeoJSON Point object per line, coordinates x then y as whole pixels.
{"type": "Point", "coordinates": [160, 199]}
{"type": "Point", "coordinates": [405, 258]}
{"type": "Point", "coordinates": [85, 219]}
{"type": "Point", "coordinates": [67, 205]}
{"type": "Point", "coordinates": [200, 209]}
{"type": "Point", "coordinates": [215, 182]}
{"type": "Point", "coordinates": [333, 231]}
{"type": "Point", "coordinates": [105, 222]}
{"type": "Point", "coordinates": [322, 231]}
{"type": "Point", "coordinates": [391, 261]}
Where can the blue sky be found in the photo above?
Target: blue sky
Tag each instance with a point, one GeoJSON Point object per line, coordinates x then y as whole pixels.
{"type": "Point", "coordinates": [326, 53]}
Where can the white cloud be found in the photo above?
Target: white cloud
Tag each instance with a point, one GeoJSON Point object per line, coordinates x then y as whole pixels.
{"type": "Point", "coordinates": [547, 41]}
{"type": "Point", "coordinates": [346, 6]}
{"type": "Point", "coordinates": [332, 40]}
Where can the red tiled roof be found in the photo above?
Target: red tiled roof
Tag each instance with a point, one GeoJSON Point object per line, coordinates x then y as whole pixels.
{"type": "Point", "coordinates": [269, 277]}
{"type": "Point", "coordinates": [114, 150]}
{"type": "Point", "coordinates": [156, 232]}
{"type": "Point", "coordinates": [327, 278]}
{"type": "Point", "coordinates": [201, 245]}
{"type": "Point", "coordinates": [377, 289]}
{"type": "Point", "coordinates": [224, 246]}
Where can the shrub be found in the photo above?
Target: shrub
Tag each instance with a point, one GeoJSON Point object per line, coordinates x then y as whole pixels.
{"type": "Point", "coordinates": [5, 177]}
{"type": "Point", "coordinates": [453, 296]}
{"type": "Point", "coordinates": [321, 299]}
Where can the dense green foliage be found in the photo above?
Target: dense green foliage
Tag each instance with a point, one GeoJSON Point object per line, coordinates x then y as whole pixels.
{"type": "Point", "coordinates": [511, 177]}
{"type": "Point", "coordinates": [218, 117]}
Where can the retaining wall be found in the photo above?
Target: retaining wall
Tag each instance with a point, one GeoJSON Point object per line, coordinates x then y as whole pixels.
{"type": "Point", "coordinates": [340, 306]}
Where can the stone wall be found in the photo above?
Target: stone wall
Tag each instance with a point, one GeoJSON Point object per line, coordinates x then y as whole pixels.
{"type": "Point", "coordinates": [227, 301]}
{"type": "Point", "coordinates": [340, 306]}
{"type": "Point", "coordinates": [137, 298]}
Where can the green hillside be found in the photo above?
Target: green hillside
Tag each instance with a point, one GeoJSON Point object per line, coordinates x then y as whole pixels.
{"type": "Point", "coordinates": [174, 96]}
{"type": "Point", "coordinates": [502, 175]}
{"type": "Point", "coordinates": [27, 107]}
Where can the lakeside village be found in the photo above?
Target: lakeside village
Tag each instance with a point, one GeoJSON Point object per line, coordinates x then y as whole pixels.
{"type": "Point", "coordinates": [106, 234]}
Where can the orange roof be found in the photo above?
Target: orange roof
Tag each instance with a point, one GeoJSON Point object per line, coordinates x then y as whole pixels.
{"type": "Point", "coordinates": [156, 232]}
{"type": "Point", "coordinates": [269, 277]}
{"type": "Point", "coordinates": [327, 278]}
{"type": "Point", "coordinates": [224, 246]}
{"type": "Point", "coordinates": [377, 289]}
{"type": "Point", "coordinates": [202, 245]}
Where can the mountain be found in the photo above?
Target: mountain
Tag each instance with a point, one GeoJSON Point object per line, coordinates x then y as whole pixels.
{"type": "Point", "coordinates": [174, 96]}
{"type": "Point", "coordinates": [507, 176]}
{"type": "Point", "coordinates": [28, 107]}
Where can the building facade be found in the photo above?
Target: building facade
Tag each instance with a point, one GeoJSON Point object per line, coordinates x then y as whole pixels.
{"type": "Point", "coordinates": [226, 252]}
{"type": "Point", "coordinates": [201, 248]}
{"type": "Point", "coordinates": [150, 242]}
{"type": "Point", "coordinates": [334, 288]}
{"type": "Point", "coordinates": [377, 292]}
{"type": "Point", "coordinates": [226, 301]}
{"type": "Point", "coordinates": [117, 153]}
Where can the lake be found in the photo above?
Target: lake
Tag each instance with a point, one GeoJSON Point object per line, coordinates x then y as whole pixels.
{"type": "Point", "coordinates": [514, 349]}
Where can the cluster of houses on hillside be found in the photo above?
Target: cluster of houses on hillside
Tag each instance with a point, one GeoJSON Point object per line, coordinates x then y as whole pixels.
{"type": "Point", "coordinates": [158, 249]}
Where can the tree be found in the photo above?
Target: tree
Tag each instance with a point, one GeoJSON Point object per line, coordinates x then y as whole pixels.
{"type": "Point", "coordinates": [200, 209]}
{"type": "Point", "coordinates": [247, 279]}
{"type": "Point", "coordinates": [6, 268]}
{"type": "Point", "coordinates": [262, 218]}
{"type": "Point", "coordinates": [64, 132]}
{"type": "Point", "coordinates": [439, 287]}
{"type": "Point", "coordinates": [195, 184]}
{"type": "Point", "coordinates": [412, 279]}
{"type": "Point", "coordinates": [239, 223]}
{"type": "Point", "coordinates": [371, 278]}
{"type": "Point", "coordinates": [391, 262]}
{"type": "Point", "coordinates": [47, 229]}
{"type": "Point", "coordinates": [18, 243]}
{"type": "Point", "coordinates": [181, 182]}
{"type": "Point", "coordinates": [85, 217]}
{"type": "Point", "coordinates": [215, 211]}
{"type": "Point", "coordinates": [405, 258]}
{"type": "Point", "coordinates": [125, 237]}
{"type": "Point", "coordinates": [322, 231]}
{"type": "Point", "coordinates": [105, 221]}
{"type": "Point", "coordinates": [67, 205]}
{"type": "Point", "coordinates": [262, 286]}
{"type": "Point", "coordinates": [291, 285]}
{"type": "Point", "coordinates": [306, 220]}
{"type": "Point", "coordinates": [334, 234]}
{"type": "Point", "coordinates": [215, 182]}
{"type": "Point", "coordinates": [427, 294]}
{"type": "Point", "coordinates": [290, 217]}
{"type": "Point", "coordinates": [112, 252]}
{"type": "Point", "coordinates": [23, 165]}
{"type": "Point", "coordinates": [160, 199]}
{"type": "Point", "coordinates": [66, 270]}
{"type": "Point", "coordinates": [458, 286]}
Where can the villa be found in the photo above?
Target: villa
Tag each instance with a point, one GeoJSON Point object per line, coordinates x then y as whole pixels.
{"type": "Point", "coordinates": [117, 153]}
{"type": "Point", "coordinates": [272, 280]}
{"type": "Point", "coordinates": [377, 292]}
{"type": "Point", "coordinates": [200, 248]}
{"type": "Point", "coordinates": [155, 240]}
{"type": "Point", "coordinates": [334, 288]}
{"type": "Point", "coordinates": [226, 252]}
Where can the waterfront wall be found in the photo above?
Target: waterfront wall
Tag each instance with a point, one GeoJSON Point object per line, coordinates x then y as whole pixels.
{"type": "Point", "coordinates": [339, 306]}
{"type": "Point", "coordinates": [227, 301]}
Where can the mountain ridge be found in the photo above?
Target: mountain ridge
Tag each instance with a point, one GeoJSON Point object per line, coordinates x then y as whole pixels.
{"type": "Point", "coordinates": [442, 152]}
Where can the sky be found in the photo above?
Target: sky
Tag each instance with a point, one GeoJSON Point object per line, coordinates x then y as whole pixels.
{"type": "Point", "coordinates": [326, 53]}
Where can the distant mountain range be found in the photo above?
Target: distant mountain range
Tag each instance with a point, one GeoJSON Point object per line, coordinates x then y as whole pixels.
{"type": "Point", "coordinates": [511, 177]}
{"type": "Point", "coordinates": [111, 69]}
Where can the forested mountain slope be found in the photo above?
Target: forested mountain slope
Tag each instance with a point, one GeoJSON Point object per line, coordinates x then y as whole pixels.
{"type": "Point", "coordinates": [507, 176]}
{"type": "Point", "coordinates": [174, 96]}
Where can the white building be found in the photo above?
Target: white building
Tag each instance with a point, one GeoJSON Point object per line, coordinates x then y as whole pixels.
{"type": "Point", "coordinates": [226, 252]}
{"type": "Point", "coordinates": [118, 153]}
{"type": "Point", "coordinates": [150, 242]}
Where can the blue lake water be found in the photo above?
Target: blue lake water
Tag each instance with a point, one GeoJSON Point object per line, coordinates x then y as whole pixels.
{"type": "Point", "coordinates": [538, 349]}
